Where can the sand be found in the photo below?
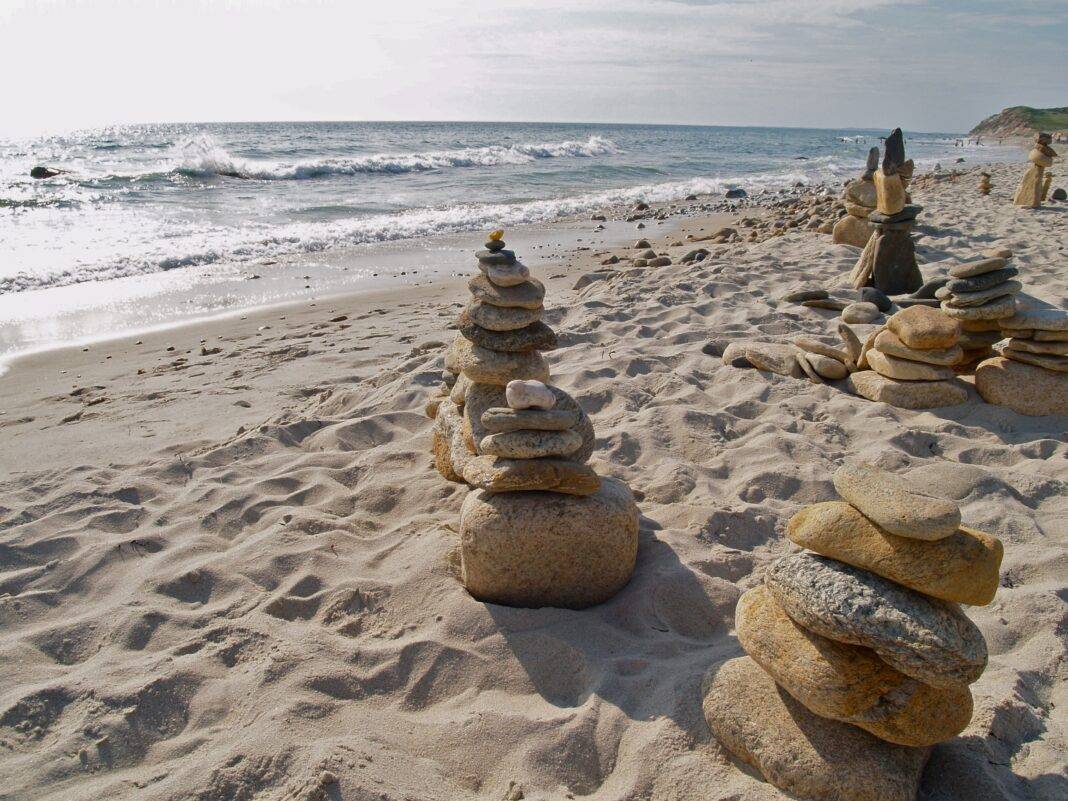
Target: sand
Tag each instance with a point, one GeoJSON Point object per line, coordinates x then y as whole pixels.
{"type": "Point", "coordinates": [231, 577]}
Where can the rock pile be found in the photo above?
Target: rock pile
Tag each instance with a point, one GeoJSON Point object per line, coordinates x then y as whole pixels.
{"type": "Point", "coordinates": [984, 183]}
{"type": "Point", "coordinates": [978, 294]}
{"type": "Point", "coordinates": [859, 657]}
{"type": "Point", "coordinates": [859, 197]}
{"type": "Point", "coordinates": [1030, 191]}
{"type": "Point", "coordinates": [888, 261]}
{"type": "Point", "coordinates": [541, 528]}
{"type": "Point", "coordinates": [911, 361]}
{"type": "Point", "coordinates": [1030, 373]}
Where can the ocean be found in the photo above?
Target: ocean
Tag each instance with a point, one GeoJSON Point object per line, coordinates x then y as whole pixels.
{"type": "Point", "coordinates": [146, 211]}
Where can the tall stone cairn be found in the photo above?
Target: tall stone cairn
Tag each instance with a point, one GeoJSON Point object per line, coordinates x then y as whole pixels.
{"type": "Point", "coordinates": [908, 362]}
{"type": "Point", "coordinates": [859, 657]}
{"type": "Point", "coordinates": [1033, 186]}
{"type": "Point", "coordinates": [888, 261]}
{"type": "Point", "coordinates": [1029, 374]}
{"type": "Point", "coordinates": [859, 196]}
{"type": "Point", "coordinates": [540, 527]}
{"type": "Point", "coordinates": [984, 183]}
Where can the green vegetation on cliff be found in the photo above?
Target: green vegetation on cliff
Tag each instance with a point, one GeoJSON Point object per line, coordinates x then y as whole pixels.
{"type": "Point", "coordinates": [1023, 121]}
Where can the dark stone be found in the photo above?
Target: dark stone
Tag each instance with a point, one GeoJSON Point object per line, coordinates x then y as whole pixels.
{"type": "Point", "coordinates": [894, 153]}
{"type": "Point", "coordinates": [1059, 194]}
{"type": "Point", "coordinates": [873, 295]}
{"type": "Point", "coordinates": [44, 172]}
{"type": "Point", "coordinates": [980, 282]}
{"type": "Point", "coordinates": [904, 303]}
{"type": "Point", "coordinates": [825, 303]}
{"type": "Point", "coordinates": [928, 290]}
{"type": "Point", "coordinates": [537, 336]}
{"type": "Point", "coordinates": [895, 271]}
{"type": "Point", "coordinates": [500, 258]}
{"type": "Point", "coordinates": [495, 245]}
{"type": "Point", "coordinates": [872, 164]}
{"type": "Point", "coordinates": [736, 193]}
{"type": "Point", "coordinates": [910, 212]}
{"type": "Point", "coordinates": [807, 294]}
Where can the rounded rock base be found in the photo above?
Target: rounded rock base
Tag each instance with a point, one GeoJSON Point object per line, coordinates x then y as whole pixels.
{"type": "Point", "coordinates": [1024, 388]}
{"type": "Point", "coordinates": [535, 549]}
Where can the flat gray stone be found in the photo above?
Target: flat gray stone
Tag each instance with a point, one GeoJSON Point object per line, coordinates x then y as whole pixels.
{"type": "Point", "coordinates": [485, 366]}
{"type": "Point", "coordinates": [930, 640]}
{"type": "Point", "coordinates": [528, 295]}
{"type": "Point", "coordinates": [963, 299]}
{"type": "Point", "coordinates": [537, 336]}
{"type": "Point", "coordinates": [496, 318]}
{"type": "Point", "coordinates": [502, 420]}
{"type": "Point", "coordinates": [483, 397]}
{"type": "Point", "coordinates": [993, 310]}
{"type": "Point", "coordinates": [1038, 320]}
{"type": "Point", "coordinates": [981, 282]}
{"type": "Point", "coordinates": [530, 444]}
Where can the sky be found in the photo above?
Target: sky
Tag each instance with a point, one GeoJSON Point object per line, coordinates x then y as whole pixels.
{"type": "Point", "coordinates": [924, 65]}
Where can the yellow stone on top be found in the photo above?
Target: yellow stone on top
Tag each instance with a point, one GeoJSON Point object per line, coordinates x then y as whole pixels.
{"type": "Point", "coordinates": [497, 235]}
{"type": "Point", "coordinates": [890, 193]}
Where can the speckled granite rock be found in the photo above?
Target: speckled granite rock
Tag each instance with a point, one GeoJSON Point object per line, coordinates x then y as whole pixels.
{"type": "Point", "coordinates": [1024, 388]}
{"type": "Point", "coordinates": [905, 370]}
{"type": "Point", "coordinates": [547, 549]}
{"type": "Point", "coordinates": [930, 640]}
{"type": "Point", "coordinates": [501, 420]}
{"type": "Point", "coordinates": [922, 327]}
{"type": "Point", "coordinates": [810, 757]}
{"type": "Point", "coordinates": [887, 342]}
{"type": "Point", "coordinates": [484, 366]}
{"type": "Point", "coordinates": [536, 336]}
{"type": "Point", "coordinates": [495, 474]}
{"type": "Point", "coordinates": [528, 295]}
{"type": "Point", "coordinates": [531, 444]}
{"type": "Point", "coordinates": [896, 504]}
{"type": "Point", "coordinates": [908, 394]}
{"type": "Point", "coordinates": [496, 318]}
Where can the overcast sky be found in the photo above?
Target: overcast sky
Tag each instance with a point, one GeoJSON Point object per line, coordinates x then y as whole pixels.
{"type": "Point", "coordinates": [930, 66]}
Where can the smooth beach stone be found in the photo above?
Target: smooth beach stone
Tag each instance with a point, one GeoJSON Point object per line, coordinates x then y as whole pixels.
{"type": "Point", "coordinates": [907, 394]}
{"type": "Point", "coordinates": [1040, 319]}
{"type": "Point", "coordinates": [970, 269]}
{"type": "Point", "coordinates": [846, 682]}
{"type": "Point", "coordinates": [826, 367]}
{"type": "Point", "coordinates": [1034, 346]}
{"type": "Point", "coordinates": [905, 370]}
{"type": "Point", "coordinates": [980, 325]}
{"type": "Point", "coordinates": [962, 567]}
{"type": "Point", "coordinates": [772, 357]}
{"type": "Point", "coordinates": [495, 474]}
{"type": "Point", "coordinates": [888, 343]}
{"type": "Point", "coordinates": [498, 257]}
{"type": "Point", "coordinates": [981, 282]}
{"type": "Point", "coordinates": [537, 549]}
{"type": "Point", "coordinates": [896, 504]}
{"type": "Point", "coordinates": [807, 368]}
{"type": "Point", "coordinates": [997, 253]}
{"type": "Point", "coordinates": [995, 309]}
{"type": "Point", "coordinates": [922, 328]}
{"type": "Point", "coordinates": [528, 295]}
{"type": "Point", "coordinates": [833, 304]}
{"type": "Point", "coordinates": [818, 346]}
{"type": "Point", "coordinates": [1047, 361]}
{"type": "Point", "coordinates": [502, 420]}
{"type": "Point", "coordinates": [506, 275]}
{"type": "Point", "coordinates": [807, 294]}
{"type": "Point", "coordinates": [967, 299]}
{"type": "Point", "coordinates": [529, 395]}
{"type": "Point", "coordinates": [810, 757]}
{"type": "Point", "coordinates": [530, 444]}
{"type": "Point", "coordinates": [906, 303]}
{"type": "Point", "coordinates": [851, 230]}
{"type": "Point", "coordinates": [496, 318]}
{"type": "Point", "coordinates": [862, 312]}
{"type": "Point", "coordinates": [533, 337]}
{"type": "Point", "coordinates": [1050, 336]}
{"type": "Point", "coordinates": [480, 398]}
{"type": "Point", "coordinates": [925, 638]}
{"type": "Point", "coordinates": [854, 347]}
{"type": "Point", "coordinates": [870, 294]}
{"type": "Point", "coordinates": [734, 355]}
{"type": "Point", "coordinates": [450, 453]}
{"type": "Point", "coordinates": [485, 366]}
{"type": "Point", "coordinates": [495, 244]}
{"type": "Point", "coordinates": [458, 393]}
{"type": "Point", "coordinates": [1024, 388]}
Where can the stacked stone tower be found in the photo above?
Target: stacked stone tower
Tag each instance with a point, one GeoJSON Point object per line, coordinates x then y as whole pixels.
{"type": "Point", "coordinates": [859, 196]}
{"type": "Point", "coordinates": [979, 294]}
{"type": "Point", "coordinates": [859, 657]}
{"type": "Point", "coordinates": [888, 261]}
{"type": "Point", "coordinates": [1030, 372]}
{"type": "Point", "coordinates": [541, 528]}
{"type": "Point", "coordinates": [1031, 190]}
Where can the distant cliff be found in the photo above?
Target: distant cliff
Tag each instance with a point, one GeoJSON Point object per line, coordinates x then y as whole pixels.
{"type": "Point", "coordinates": [1023, 121]}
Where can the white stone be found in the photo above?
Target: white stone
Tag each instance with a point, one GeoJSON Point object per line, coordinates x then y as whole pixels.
{"type": "Point", "coordinates": [529, 395]}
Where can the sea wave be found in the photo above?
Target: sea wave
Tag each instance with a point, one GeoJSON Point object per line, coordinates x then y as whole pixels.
{"type": "Point", "coordinates": [203, 156]}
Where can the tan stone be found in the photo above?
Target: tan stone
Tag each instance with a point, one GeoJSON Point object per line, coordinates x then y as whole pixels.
{"type": "Point", "coordinates": [538, 549]}
{"type": "Point", "coordinates": [773, 358]}
{"type": "Point", "coordinates": [1051, 336]}
{"type": "Point", "coordinates": [848, 683]}
{"type": "Point", "coordinates": [890, 193]}
{"type": "Point", "coordinates": [851, 230]}
{"type": "Point", "coordinates": [1029, 193]}
{"type": "Point", "coordinates": [531, 444]}
{"type": "Point", "coordinates": [451, 453]}
{"type": "Point", "coordinates": [810, 757]}
{"type": "Point", "coordinates": [889, 344]}
{"type": "Point", "coordinates": [1034, 346]}
{"type": "Point", "coordinates": [813, 345]}
{"type": "Point", "coordinates": [962, 567]}
{"type": "Point", "coordinates": [904, 370]}
{"type": "Point", "coordinates": [895, 503]}
{"type": "Point", "coordinates": [503, 420]}
{"type": "Point", "coordinates": [494, 474]}
{"type": "Point", "coordinates": [970, 269]}
{"type": "Point", "coordinates": [922, 327]}
{"type": "Point", "coordinates": [497, 318]}
{"type": "Point", "coordinates": [995, 309]}
{"type": "Point", "coordinates": [485, 366]}
{"type": "Point", "coordinates": [826, 367]}
{"type": "Point", "coordinates": [1024, 388]}
{"type": "Point", "coordinates": [907, 394]}
{"type": "Point", "coordinates": [1047, 361]}
{"type": "Point", "coordinates": [1040, 319]}
{"type": "Point", "coordinates": [527, 295]}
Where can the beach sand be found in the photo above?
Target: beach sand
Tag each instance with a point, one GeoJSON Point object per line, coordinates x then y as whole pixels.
{"type": "Point", "coordinates": [231, 575]}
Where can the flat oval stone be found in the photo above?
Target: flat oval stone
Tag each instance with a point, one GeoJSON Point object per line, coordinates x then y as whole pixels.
{"type": "Point", "coordinates": [1038, 319]}
{"type": "Point", "coordinates": [495, 474]}
{"type": "Point", "coordinates": [485, 366]}
{"type": "Point", "coordinates": [496, 318]}
{"type": "Point", "coordinates": [826, 367]}
{"type": "Point", "coordinates": [846, 682]}
{"type": "Point", "coordinates": [501, 420]}
{"type": "Point", "coordinates": [896, 504]}
{"type": "Point", "coordinates": [922, 327]}
{"type": "Point", "coordinates": [1047, 361]}
{"type": "Point", "coordinates": [537, 336]}
{"type": "Point", "coordinates": [497, 257]}
{"type": "Point", "coordinates": [970, 269]}
{"type": "Point", "coordinates": [805, 755]}
{"type": "Point", "coordinates": [813, 345]}
{"type": "Point", "coordinates": [527, 295]}
{"type": "Point", "coordinates": [1035, 346]}
{"type": "Point", "coordinates": [772, 357]}
{"type": "Point", "coordinates": [888, 343]}
{"type": "Point", "coordinates": [482, 397]}
{"type": "Point", "coordinates": [930, 640]}
{"type": "Point", "coordinates": [506, 274]}
{"type": "Point", "coordinates": [530, 444]}
{"type": "Point", "coordinates": [980, 282]}
{"type": "Point", "coordinates": [860, 312]}
{"type": "Point", "coordinates": [905, 370]}
{"type": "Point", "coordinates": [907, 394]}
{"type": "Point", "coordinates": [962, 568]}
{"type": "Point", "coordinates": [1024, 388]}
{"type": "Point", "coordinates": [963, 299]}
{"type": "Point", "coordinates": [994, 310]}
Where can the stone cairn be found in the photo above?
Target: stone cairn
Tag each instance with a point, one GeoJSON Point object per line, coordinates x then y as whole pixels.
{"type": "Point", "coordinates": [1030, 193]}
{"type": "Point", "coordinates": [888, 261]}
{"type": "Point", "coordinates": [859, 196]}
{"type": "Point", "coordinates": [859, 657]}
{"type": "Point", "coordinates": [979, 294]}
{"type": "Point", "coordinates": [909, 361]}
{"type": "Point", "coordinates": [1030, 372]}
{"type": "Point", "coordinates": [984, 183]}
{"type": "Point", "coordinates": [540, 528]}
